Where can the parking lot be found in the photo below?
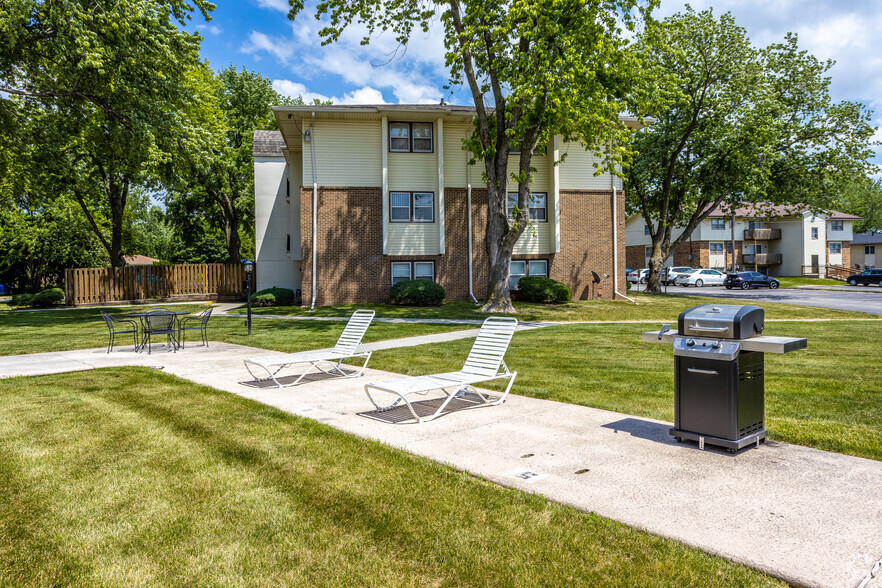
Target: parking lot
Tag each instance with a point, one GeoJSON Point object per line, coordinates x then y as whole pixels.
{"type": "Point", "coordinates": [861, 299]}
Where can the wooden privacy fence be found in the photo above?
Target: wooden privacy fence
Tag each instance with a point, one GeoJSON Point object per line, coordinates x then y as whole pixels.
{"type": "Point", "coordinates": [140, 282]}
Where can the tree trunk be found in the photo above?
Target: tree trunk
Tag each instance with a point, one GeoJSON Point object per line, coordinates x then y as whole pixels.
{"type": "Point", "coordinates": [234, 243]}
{"type": "Point", "coordinates": [118, 195]}
{"type": "Point", "coordinates": [656, 265]}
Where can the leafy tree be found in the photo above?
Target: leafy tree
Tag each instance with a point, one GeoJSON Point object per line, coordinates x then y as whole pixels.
{"type": "Point", "coordinates": [535, 69]}
{"type": "Point", "coordinates": [111, 78]}
{"type": "Point", "coordinates": [734, 124]}
{"type": "Point", "coordinates": [862, 196]}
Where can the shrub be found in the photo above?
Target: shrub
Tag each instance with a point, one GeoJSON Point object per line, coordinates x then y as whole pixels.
{"type": "Point", "coordinates": [417, 293]}
{"type": "Point", "coordinates": [627, 285]}
{"type": "Point", "coordinates": [21, 299]}
{"type": "Point", "coordinates": [273, 297]}
{"type": "Point", "coordinates": [535, 289]}
{"type": "Point", "coordinates": [49, 297]}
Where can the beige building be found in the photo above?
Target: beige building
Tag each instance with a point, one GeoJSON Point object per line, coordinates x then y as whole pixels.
{"type": "Point", "coordinates": [773, 239]}
{"type": "Point", "coordinates": [866, 250]}
{"type": "Point", "coordinates": [350, 199]}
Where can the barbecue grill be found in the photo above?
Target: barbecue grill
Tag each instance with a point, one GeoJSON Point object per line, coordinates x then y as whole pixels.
{"type": "Point", "coordinates": [719, 375]}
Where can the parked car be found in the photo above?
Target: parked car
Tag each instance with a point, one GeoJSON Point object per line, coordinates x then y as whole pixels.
{"type": "Point", "coordinates": [676, 272]}
{"type": "Point", "coordinates": [638, 276]}
{"type": "Point", "coordinates": [748, 280]}
{"type": "Point", "coordinates": [871, 276]}
{"type": "Point", "coordinates": [702, 277]}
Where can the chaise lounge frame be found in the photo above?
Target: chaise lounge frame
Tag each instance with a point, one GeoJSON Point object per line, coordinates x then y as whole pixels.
{"type": "Point", "coordinates": [348, 346]}
{"type": "Point", "coordinates": [484, 363]}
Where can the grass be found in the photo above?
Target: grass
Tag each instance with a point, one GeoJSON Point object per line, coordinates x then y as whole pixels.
{"type": "Point", "coordinates": [65, 330]}
{"type": "Point", "coordinates": [133, 477]}
{"type": "Point", "coordinates": [649, 308]}
{"type": "Point", "coordinates": [825, 397]}
{"type": "Point", "coordinates": [800, 281]}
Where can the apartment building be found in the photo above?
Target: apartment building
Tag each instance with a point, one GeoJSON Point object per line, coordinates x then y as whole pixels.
{"type": "Point", "coordinates": [864, 249]}
{"type": "Point", "coordinates": [778, 240]}
{"type": "Point", "coordinates": [351, 199]}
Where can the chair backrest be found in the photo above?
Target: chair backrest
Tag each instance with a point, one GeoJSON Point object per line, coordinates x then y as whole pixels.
{"type": "Point", "coordinates": [108, 320]}
{"type": "Point", "coordinates": [354, 332]}
{"type": "Point", "coordinates": [205, 314]}
{"type": "Point", "coordinates": [490, 346]}
{"type": "Point", "coordinates": [160, 320]}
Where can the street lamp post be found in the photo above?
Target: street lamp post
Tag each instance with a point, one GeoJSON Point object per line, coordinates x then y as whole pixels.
{"type": "Point", "coordinates": [249, 267]}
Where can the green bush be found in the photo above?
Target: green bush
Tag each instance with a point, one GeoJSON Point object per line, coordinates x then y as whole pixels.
{"type": "Point", "coordinates": [627, 285]}
{"type": "Point", "coordinates": [417, 293]}
{"type": "Point", "coordinates": [535, 289]}
{"type": "Point", "coordinates": [49, 297]}
{"type": "Point", "coordinates": [21, 299]}
{"type": "Point", "coordinates": [273, 297]}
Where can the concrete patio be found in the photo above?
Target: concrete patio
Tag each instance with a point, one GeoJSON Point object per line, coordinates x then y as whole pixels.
{"type": "Point", "coordinates": [810, 517]}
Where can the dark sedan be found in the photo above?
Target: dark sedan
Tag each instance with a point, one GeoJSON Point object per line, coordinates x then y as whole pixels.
{"type": "Point", "coordinates": [872, 276]}
{"type": "Point", "coordinates": [748, 280]}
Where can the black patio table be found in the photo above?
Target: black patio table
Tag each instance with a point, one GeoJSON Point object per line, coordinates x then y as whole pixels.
{"type": "Point", "coordinates": [140, 316]}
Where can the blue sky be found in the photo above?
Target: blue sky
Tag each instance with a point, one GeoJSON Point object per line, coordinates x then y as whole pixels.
{"type": "Point", "coordinates": [257, 34]}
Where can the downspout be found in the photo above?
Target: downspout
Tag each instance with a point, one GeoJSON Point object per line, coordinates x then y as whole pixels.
{"type": "Point", "coordinates": [615, 224]}
{"type": "Point", "coordinates": [469, 216]}
{"type": "Point", "coordinates": [314, 212]}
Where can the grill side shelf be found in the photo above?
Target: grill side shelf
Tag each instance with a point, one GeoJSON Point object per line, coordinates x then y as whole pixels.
{"type": "Point", "coordinates": [763, 343]}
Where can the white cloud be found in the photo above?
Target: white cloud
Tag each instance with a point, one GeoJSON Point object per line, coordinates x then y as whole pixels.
{"type": "Point", "coordinates": [282, 49]}
{"type": "Point", "coordinates": [295, 89]}
{"type": "Point", "coordinates": [213, 29]}
{"type": "Point", "coordinates": [281, 5]}
{"type": "Point", "coordinates": [366, 95]}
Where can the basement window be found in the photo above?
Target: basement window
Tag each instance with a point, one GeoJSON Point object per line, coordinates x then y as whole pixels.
{"type": "Point", "coordinates": [520, 268]}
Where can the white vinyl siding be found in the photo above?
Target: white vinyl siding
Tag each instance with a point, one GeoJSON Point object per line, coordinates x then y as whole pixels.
{"type": "Point", "coordinates": [541, 180]}
{"type": "Point", "coordinates": [455, 158]}
{"type": "Point", "coordinates": [414, 239]}
{"type": "Point", "coordinates": [413, 172]}
{"type": "Point", "coordinates": [577, 171]}
{"type": "Point", "coordinates": [536, 238]}
{"type": "Point", "coordinates": [347, 153]}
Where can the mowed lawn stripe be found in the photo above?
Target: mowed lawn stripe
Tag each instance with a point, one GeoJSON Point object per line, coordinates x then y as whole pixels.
{"type": "Point", "coordinates": [133, 477]}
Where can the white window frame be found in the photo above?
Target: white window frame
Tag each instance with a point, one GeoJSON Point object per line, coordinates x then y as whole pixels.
{"type": "Point", "coordinates": [411, 207]}
{"type": "Point", "coordinates": [713, 245]}
{"type": "Point", "coordinates": [410, 137]}
{"type": "Point", "coordinates": [716, 221]}
{"type": "Point", "coordinates": [509, 207]}
{"type": "Point", "coordinates": [411, 270]}
{"type": "Point", "coordinates": [527, 271]}
{"type": "Point", "coordinates": [814, 233]}
{"type": "Point", "coordinates": [837, 225]}
{"type": "Point", "coordinates": [838, 244]}
{"type": "Point", "coordinates": [869, 250]}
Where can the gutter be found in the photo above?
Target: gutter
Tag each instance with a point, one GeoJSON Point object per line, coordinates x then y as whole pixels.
{"type": "Point", "coordinates": [469, 216]}
{"type": "Point", "coordinates": [615, 224]}
{"type": "Point", "coordinates": [314, 213]}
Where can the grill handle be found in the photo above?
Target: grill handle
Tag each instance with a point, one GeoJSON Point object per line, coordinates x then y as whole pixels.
{"type": "Point", "coordinates": [708, 372]}
{"type": "Point", "coordinates": [709, 329]}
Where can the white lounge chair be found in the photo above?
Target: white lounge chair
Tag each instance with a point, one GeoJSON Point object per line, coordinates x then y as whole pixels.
{"type": "Point", "coordinates": [485, 362]}
{"type": "Point", "coordinates": [348, 346]}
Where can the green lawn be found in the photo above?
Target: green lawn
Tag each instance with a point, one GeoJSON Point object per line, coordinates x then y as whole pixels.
{"type": "Point", "coordinates": [799, 281]}
{"type": "Point", "coordinates": [129, 477]}
{"type": "Point", "coordinates": [649, 307]}
{"type": "Point", "coordinates": [826, 396]}
{"type": "Point", "coordinates": [64, 330]}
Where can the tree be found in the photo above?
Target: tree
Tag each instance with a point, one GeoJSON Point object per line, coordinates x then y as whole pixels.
{"type": "Point", "coordinates": [535, 69]}
{"type": "Point", "coordinates": [216, 179]}
{"type": "Point", "coordinates": [862, 196]}
{"type": "Point", "coordinates": [111, 80]}
{"type": "Point", "coordinates": [733, 124]}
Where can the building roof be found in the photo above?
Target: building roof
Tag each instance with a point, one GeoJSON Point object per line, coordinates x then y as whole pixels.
{"type": "Point", "coordinates": [870, 238]}
{"type": "Point", "coordinates": [268, 143]}
{"type": "Point", "coordinates": [767, 209]}
{"type": "Point", "coordinates": [139, 260]}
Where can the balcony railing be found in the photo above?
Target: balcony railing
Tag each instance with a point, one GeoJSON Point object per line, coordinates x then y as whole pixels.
{"type": "Point", "coordinates": [761, 234]}
{"type": "Point", "coordinates": [761, 259]}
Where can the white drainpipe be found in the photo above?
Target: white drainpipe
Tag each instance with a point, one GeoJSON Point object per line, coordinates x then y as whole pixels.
{"type": "Point", "coordinates": [615, 221]}
{"type": "Point", "coordinates": [469, 215]}
{"type": "Point", "coordinates": [314, 212]}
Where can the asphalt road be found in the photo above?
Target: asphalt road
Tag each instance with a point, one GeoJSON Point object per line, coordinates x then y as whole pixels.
{"type": "Point", "coordinates": [867, 300]}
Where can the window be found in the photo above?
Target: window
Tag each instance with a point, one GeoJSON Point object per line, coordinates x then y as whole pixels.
{"type": "Point", "coordinates": [814, 232]}
{"type": "Point", "coordinates": [716, 249]}
{"type": "Point", "coordinates": [869, 250]}
{"type": "Point", "coordinates": [835, 248]}
{"type": "Point", "coordinates": [521, 268]}
{"type": "Point", "coordinates": [837, 225]}
{"type": "Point", "coordinates": [413, 270]}
{"type": "Point", "coordinates": [753, 225]}
{"type": "Point", "coordinates": [718, 224]}
{"type": "Point", "coordinates": [647, 252]}
{"type": "Point", "coordinates": [645, 229]}
{"type": "Point", "coordinates": [411, 207]}
{"type": "Point", "coordinates": [538, 206]}
{"type": "Point", "coordinates": [288, 243]}
{"type": "Point", "coordinates": [410, 137]}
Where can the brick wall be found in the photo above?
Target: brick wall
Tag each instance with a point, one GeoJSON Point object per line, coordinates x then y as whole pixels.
{"type": "Point", "coordinates": [846, 253]}
{"type": "Point", "coordinates": [353, 269]}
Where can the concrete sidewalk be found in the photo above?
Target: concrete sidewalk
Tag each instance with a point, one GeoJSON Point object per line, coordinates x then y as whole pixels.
{"type": "Point", "coordinates": [810, 517]}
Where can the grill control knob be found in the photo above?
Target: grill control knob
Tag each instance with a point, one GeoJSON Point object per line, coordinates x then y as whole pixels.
{"type": "Point", "coordinates": [690, 342]}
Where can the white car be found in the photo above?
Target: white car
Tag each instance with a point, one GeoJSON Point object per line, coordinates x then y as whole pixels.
{"type": "Point", "coordinates": [638, 276]}
{"type": "Point", "coordinates": [675, 272]}
{"type": "Point", "coordinates": [702, 277]}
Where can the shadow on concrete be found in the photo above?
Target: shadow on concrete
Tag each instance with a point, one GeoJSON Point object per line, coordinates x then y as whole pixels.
{"type": "Point", "coordinates": [400, 414]}
{"type": "Point", "coordinates": [268, 383]}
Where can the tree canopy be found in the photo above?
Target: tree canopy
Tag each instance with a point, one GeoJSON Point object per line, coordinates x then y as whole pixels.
{"type": "Point", "coordinates": [733, 124]}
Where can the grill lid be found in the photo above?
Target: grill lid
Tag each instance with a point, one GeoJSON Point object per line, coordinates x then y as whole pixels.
{"type": "Point", "coordinates": [723, 321]}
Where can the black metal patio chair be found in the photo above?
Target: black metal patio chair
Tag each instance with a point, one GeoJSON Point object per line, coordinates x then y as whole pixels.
{"type": "Point", "coordinates": [120, 327]}
{"type": "Point", "coordinates": [197, 322]}
{"type": "Point", "coordinates": [160, 322]}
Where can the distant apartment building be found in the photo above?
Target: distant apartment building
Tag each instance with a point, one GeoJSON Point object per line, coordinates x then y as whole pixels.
{"type": "Point", "coordinates": [773, 239]}
{"type": "Point", "coordinates": [395, 198]}
{"type": "Point", "coordinates": [866, 250]}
